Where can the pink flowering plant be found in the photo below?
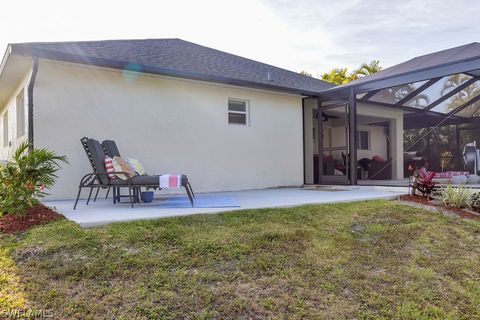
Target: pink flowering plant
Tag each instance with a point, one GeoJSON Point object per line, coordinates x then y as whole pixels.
{"type": "Point", "coordinates": [25, 179]}
{"type": "Point", "coordinates": [425, 183]}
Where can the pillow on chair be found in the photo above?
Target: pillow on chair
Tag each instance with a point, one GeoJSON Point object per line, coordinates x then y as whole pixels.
{"type": "Point", "coordinates": [137, 166]}
{"type": "Point", "coordinates": [109, 167]}
{"type": "Point", "coordinates": [378, 158]}
{"type": "Point", "coordinates": [120, 165]}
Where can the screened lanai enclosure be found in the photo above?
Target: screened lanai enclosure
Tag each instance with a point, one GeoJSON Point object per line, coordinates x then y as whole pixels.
{"type": "Point", "coordinates": [423, 114]}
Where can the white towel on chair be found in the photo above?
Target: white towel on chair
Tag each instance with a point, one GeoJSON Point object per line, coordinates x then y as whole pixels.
{"type": "Point", "coordinates": [170, 181]}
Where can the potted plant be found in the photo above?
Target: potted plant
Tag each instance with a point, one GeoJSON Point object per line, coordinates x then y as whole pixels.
{"type": "Point", "coordinates": [147, 196]}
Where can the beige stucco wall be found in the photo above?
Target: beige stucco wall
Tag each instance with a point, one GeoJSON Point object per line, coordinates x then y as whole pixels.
{"type": "Point", "coordinates": [309, 144]}
{"type": "Point", "coordinates": [395, 117]}
{"type": "Point", "coordinates": [11, 108]}
{"type": "Point", "coordinates": [378, 140]}
{"type": "Point", "coordinates": [170, 125]}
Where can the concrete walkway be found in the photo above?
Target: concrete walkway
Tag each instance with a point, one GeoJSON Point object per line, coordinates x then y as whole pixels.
{"type": "Point", "coordinates": [104, 212]}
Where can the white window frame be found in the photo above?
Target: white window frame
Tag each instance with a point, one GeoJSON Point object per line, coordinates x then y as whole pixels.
{"type": "Point", "coordinates": [246, 112]}
{"type": "Point", "coordinates": [20, 114]}
{"type": "Point", "coordinates": [369, 142]}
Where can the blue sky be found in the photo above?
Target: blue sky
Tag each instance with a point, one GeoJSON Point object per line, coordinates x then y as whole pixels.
{"type": "Point", "coordinates": [297, 35]}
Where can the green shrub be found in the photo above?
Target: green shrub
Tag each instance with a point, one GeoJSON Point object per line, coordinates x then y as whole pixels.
{"type": "Point", "coordinates": [458, 197]}
{"type": "Point", "coordinates": [24, 179]}
{"type": "Point", "coordinates": [475, 200]}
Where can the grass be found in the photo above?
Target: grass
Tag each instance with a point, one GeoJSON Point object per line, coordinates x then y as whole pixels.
{"type": "Point", "coordinates": [370, 260]}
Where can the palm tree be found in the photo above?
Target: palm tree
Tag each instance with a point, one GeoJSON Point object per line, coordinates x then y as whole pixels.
{"type": "Point", "coordinates": [337, 76]}
{"type": "Point", "coordinates": [393, 95]}
{"type": "Point", "coordinates": [453, 82]}
{"type": "Point", "coordinates": [341, 76]}
{"type": "Point", "coordinates": [305, 73]}
{"type": "Point", "coordinates": [367, 69]}
{"type": "Point", "coordinates": [419, 101]}
{"type": "Point", "coordinates": [464, 95]}
{"type": "Point", "coordinates": [38, 165]}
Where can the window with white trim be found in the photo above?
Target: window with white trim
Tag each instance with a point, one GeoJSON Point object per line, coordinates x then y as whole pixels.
{"type": "Point", "coordinates": [20, 114]}
{"type": "Point", "coordinates": [238, 111]}
{"type": "Point", "coordinates": [363, 140]}
{"type": "Point", "coordinates": [5, 129]}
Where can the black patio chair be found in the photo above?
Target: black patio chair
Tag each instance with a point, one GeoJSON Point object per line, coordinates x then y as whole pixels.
{"type": "Point", "coordinates": [111, 150]}
{"type": "Point", "coordinates": [99, 177]}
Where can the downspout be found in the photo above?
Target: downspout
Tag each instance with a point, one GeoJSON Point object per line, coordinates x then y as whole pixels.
{"type": "Point", "coordinates": [303, 140]}
{"type": "Point", "coordinates": [30, 103]}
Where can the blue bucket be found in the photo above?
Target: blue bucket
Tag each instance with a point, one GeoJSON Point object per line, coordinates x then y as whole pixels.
{"type": "Point", "coordinates": [147, 196]}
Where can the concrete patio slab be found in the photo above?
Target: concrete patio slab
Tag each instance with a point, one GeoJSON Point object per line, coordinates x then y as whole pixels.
{"type": "Point", "coordinates": [104, 212]}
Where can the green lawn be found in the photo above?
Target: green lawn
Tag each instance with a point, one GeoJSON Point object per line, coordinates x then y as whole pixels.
{"type": "Point", "coordinates": [370, 260]}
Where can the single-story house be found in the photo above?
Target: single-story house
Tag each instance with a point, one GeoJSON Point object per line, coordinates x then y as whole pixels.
{"type": "Point", "coordinates": [228, 122]}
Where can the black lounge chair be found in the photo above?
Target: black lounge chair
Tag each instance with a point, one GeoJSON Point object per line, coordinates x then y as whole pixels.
{"type": "Point", "coordinates": [99, 177]}
{"type": "Point", "coordinates": [110, 148]}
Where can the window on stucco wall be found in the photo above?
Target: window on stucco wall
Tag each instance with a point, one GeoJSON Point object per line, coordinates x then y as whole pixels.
{"type": "Point", "coordinates": [238, 112]}
{"type": "Point", "coordinates": [363, 140]}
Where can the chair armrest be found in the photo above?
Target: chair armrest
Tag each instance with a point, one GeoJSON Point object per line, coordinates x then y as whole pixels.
{"type": "Point", "coordinates": [126, 174]}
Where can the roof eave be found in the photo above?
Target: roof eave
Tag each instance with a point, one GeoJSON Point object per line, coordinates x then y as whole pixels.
{"type": "Point", "coordinates": [122, 65]}
{"type": "Point", "coordinates": [5, 58]}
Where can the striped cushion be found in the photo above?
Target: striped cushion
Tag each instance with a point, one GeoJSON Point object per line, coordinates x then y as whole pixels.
{"type": "Point", "coordinates": [109, 167]}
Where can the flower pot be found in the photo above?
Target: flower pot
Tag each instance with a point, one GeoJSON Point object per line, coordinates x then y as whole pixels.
{"type": "Point", "coordinates": [147, 196]}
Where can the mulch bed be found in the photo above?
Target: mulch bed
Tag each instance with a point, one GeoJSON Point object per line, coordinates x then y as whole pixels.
{"type": "Point", "coordinates": [424, 201]}
{"type": "Point", "coordinates": [35, 216]}
{"type": "Point", "coordinates": [417, 199]}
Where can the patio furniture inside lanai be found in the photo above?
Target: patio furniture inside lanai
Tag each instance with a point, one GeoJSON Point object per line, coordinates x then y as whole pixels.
{"type": "Point", "coordinates": [439, 95]}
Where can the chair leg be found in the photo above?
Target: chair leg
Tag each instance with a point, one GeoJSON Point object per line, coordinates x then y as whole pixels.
{"type": "Point", "coordinates": [89, 195]}
{"type": "Point", "coordinates": [189, 195]}
{"type": "Point", "coordinates": [190, 187]}
{"type": "Point", "coordinates": [114, 195]}
{"type": "Point", "coordinates": [78, 197]}
{"type": "Point", "coordinates": [108, 191]}
{"type": "Point", "coordinates": [136, 195]}
{"type": "Point", "coordinates": [96, 195]}
{"type": "Point", "coordinates": [139, 192]}
{"type": "Point", "coordinates": [130, 195]}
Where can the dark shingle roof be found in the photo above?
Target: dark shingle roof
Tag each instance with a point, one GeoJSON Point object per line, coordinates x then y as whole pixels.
{"type": "Point", "coordinates": [176, 57]}
{"type": "Point", "coordinates": [421, 63]}
{"type": "Point", "coordinates": [430, 60]}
